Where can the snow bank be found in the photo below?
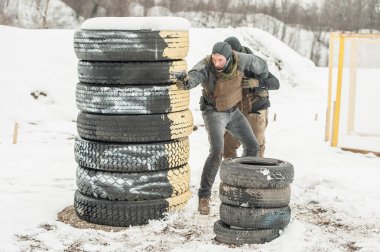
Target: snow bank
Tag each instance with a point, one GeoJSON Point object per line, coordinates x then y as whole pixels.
{"type": "Point", "coordinates": [137, 23]}
{"type": "Point", "coordinates": [38, 75]}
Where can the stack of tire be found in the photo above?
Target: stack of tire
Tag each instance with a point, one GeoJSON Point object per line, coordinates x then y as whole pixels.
{"type": "Point", "coordinates": [133, 125]}
{"type": "Point", "coordinates": [255, 195]}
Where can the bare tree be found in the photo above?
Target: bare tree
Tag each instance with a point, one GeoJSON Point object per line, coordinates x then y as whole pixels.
{"type": "Point", "coordinates": [177, 5]}
{"type": "Point", "coordinates": [147, 4]}
{"type": "Point", "coordinates": [373, 19]}
{"type": "Point", "coordinates": [4, 17]}
{"type": "Point", "coordinates": [330, 14]}
{"type": "Point", "coordinates": [284, 12]}
{"type": "Point", "coordinates": [224, 6]}
{"type": "Point", "coordinates": [242, 11]}
{"type": "Point", "coordinates": [294, 13]}
{"type": "Point", "coordinates": [273, 9]}
{"type": "Point", "coordinates": [43, 12]}
{"type": "Point", "coordinates": [207, 7]}
{"type": "Point", "coordinates": [350, 15]}
{"type": "Point", "coordinates": [356, 14]}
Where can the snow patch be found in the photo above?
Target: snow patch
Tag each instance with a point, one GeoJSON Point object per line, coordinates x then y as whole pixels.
{"type": "Point", "coordinates": [266, 173]}
{"type": "Point", "coordinates": [137, 23]}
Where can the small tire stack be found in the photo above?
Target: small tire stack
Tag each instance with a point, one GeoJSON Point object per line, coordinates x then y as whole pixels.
{"type": "Point", "coordinates": [255, 195]}
{"type": "Point", "coordinates": [133, 125]}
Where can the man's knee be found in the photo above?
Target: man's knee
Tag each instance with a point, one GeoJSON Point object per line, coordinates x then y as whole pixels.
{"type": "Point", "coordinates": [251, 147]}
{"type": "Point", "coordinates": [230, 141]}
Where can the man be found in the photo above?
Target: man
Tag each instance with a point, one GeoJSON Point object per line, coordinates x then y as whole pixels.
{"type": "Point", "coordinates": [221, 75]}
{"type": "Point", "coordinates": [255, 104]}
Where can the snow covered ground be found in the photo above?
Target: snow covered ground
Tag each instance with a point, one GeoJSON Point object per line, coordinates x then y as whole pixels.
{"type": "Point", "coordinates": [335, 194]}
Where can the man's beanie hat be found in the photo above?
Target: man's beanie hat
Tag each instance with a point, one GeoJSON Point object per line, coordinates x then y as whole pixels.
{"type": "Point", "coordinates": [234, 43]}
{"type": "Point", "coordinates": [222, 48]}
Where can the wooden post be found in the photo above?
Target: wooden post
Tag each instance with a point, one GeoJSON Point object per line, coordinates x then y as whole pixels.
{"type": "Point", "coordinates": [15, 133]}
{"type": "Point", "coordinates": [334, 141]}
{"type": "Point", "coordinates": [333, 123]}
{"type": "Point", "coordinates": [352, 92]}
{"type": "Point", "coordinates": [329, 89]}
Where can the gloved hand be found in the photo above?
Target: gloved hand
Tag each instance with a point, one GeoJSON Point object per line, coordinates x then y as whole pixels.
{"type": "Point", "coordinates": [253, 83]}
{"type": "Point", "coordinates": [182, 83]}
{"type": "Point", "coordinates": [250, 83]}
{"type": "Point", "coordinates": [244, 83]}
{"type": "Point", "coordinates": [182, 80]}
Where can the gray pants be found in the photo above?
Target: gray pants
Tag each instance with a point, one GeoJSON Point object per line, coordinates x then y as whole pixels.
{"type": "Point", "coordinates": [216, 123]}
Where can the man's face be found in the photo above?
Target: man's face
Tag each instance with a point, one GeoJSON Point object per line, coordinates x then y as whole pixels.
{"type": "Point", "coordinates": [219, 61]}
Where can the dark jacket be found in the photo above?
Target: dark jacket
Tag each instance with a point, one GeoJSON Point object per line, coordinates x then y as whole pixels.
{"type": "Point", "coordinates": [261, 93]}
{"type": "Point", "coordinates": [204, 73]}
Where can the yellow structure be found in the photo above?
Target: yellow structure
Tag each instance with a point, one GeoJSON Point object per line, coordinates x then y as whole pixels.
{"type": "Point", "coordinates": [348, 53]}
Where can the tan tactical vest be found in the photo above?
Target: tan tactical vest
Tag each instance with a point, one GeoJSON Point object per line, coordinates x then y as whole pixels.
{"type": "Point", "coordinates": [228, 92]}
{"type": "Point", "coordinates": [246, 106]}
{"type": "Point", "coordinates": [251, 98]}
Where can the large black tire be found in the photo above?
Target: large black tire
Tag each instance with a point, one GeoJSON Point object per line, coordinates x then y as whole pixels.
{"type": "Point", "coordinates": [127, 73]}
{"type": "Point", "coordinates": [252, 197]}
{"type": "Point", "coordinates": [257, 218]}
{"type": "Point", "coordinates": [125, 213]}
{"type": "Point", "coordinates": [112, 45]}
{"type": "Point", "coordinates": [131, 99]}
{"type": "Point", "coordinates": [240, 236]}
{"type": "Point", "coordinates": [135, 128]}
{"type": "Point", "coordinates": [133, 186]}
{"type": "Point", "coordinates": [251, 172]}
{"type": "Point", "coordinates": [132, 157]}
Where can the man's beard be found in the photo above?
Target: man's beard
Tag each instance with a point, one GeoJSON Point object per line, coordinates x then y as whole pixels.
{"type": "Point", "coordinates": [221, 69]}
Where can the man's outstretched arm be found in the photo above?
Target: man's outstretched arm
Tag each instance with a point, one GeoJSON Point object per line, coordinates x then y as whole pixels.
{"type": "Point", "coordinates": [196, 75]}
